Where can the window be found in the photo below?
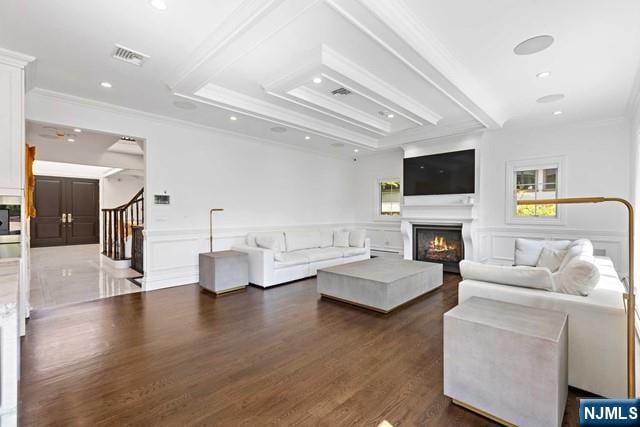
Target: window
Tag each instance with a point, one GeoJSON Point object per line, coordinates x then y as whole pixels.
{"type": "Point", "coordinates": [534, 179]}
{"type": "Point", "coordinates": [536, 184]}
{"type": "Point", "coordinates": [389, 197]}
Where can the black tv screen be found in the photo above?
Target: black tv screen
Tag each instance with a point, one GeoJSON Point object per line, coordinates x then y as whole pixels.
{"type": "Point", "coordinates": [447, 173]}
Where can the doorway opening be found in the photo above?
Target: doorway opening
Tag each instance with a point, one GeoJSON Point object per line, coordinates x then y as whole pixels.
{"type": "Point", "coordinates": [79, 175]}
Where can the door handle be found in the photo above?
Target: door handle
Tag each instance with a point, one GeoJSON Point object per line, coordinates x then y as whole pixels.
{"type": "Point", "coordinates": [69, 219]}
{"type": "Point", "coordinates": [64, 218]}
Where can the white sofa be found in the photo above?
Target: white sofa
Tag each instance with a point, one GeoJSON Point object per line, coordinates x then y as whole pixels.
{"type": "Point", "coordinates": [597, 343]}
{"type": "Point", "coordinates": [301, 253]}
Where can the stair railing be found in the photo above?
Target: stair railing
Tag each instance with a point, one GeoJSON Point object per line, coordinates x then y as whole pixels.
{"type": "Point", "coordinates": [116, 225]}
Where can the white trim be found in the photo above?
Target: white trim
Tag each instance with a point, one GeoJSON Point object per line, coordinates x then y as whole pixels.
{"type": "Point", "coordinates": [378, 202]}
{"type": "Point", "coordinates": [15, 59]}
{"type": "Point", "coordinates": [512, 166]}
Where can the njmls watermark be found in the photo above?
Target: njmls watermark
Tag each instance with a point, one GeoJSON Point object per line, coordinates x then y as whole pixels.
{"type": "Point", "coordinates": [609, 412]}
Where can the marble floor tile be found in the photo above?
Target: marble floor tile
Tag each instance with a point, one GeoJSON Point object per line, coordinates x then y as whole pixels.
{"type": "Point", "coordinates": [70, 274]}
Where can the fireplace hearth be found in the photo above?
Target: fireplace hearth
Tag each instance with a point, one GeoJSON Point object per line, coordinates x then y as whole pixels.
{"type": "Point", "coordinates": [439, 243]}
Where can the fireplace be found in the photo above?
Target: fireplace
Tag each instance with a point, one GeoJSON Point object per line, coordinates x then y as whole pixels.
{"type": "Point", "coordinates": [439, 243]}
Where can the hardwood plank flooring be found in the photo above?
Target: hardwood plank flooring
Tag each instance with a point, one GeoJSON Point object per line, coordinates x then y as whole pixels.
{"type": "Point", "coordinates": [280, 356]}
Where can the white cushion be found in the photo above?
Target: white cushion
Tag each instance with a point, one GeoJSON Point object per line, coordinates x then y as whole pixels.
{"type": "Point", "coordinates": [326, 238]}
{"type": "Point", "coordinates": [551, 258]}
{"type": "Point", "coordinates": [287, 259]}
{"type": "Point", "coordinates": [580, 247]}
{"type": "Point", "coordinates": [578, 277]}
{"type": "Point", "coordinates": [347, 252]}
{"type": "Point", "coordinates": [321, 254]}
{"type": "Point", "coordinates": [524, 276]}
{"type": "Point", "coordinates": [356, 238]}
{"type": "Point", "coordinates": [528, 250]}
{"type": "Point", "coordinates": [269, 241]}
{"type": "Point", "coordinates": [341, 239]}
{"type": "Point", "coordinates": [277, 235]}
{"type": "Point", "coordinates": [297, 240]}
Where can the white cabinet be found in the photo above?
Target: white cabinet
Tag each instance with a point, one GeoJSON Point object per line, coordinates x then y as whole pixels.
{"type": "Point", "coordinates": [12, 128]}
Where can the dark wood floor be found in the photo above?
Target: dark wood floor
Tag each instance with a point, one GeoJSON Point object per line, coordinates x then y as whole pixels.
{"type": "Point", "coordinates": [276, 357]}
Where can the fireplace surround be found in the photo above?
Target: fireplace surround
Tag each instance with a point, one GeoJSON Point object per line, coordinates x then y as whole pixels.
{"type": "Point", "coordinates": [439, 243]}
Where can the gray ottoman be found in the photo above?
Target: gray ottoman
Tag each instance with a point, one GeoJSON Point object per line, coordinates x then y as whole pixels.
{"type": "Point", "coordinates": [507, 362]}
{"type": "Point", "coordinates": [224, 271]}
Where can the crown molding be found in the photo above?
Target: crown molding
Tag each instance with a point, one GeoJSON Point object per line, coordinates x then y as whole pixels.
{"type": "Point", "coordinates": [159, 119]}
{"type": "Point", "coordinates": [444, 71]}
{"type": "Point", "coordinates": [238, 22]}
{"type": "Point", "coordinates": [231, 100]}
{"type": "Point", "coordinates": [15, 59]}
{"type": "Point", "coordinates": [349, 69]}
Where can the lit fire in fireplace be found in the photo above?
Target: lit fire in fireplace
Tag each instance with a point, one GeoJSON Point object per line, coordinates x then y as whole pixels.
{"type": "Point", "coordinates": [441, 249]}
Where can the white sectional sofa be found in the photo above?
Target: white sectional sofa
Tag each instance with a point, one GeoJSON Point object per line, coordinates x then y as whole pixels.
{"type": "Point", "coordinates": [283, 256]}
{"type": "Point", "coordinates": [597, 331]}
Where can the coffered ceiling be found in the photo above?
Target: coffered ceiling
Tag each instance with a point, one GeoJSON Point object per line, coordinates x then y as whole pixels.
{"type": "Point", "coordinates": [337, 75]}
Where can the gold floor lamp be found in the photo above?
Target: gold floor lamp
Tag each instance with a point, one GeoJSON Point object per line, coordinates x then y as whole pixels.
{"type": "Point", "coordinates": [211, 226]}
{"type": "Point", "coordinates": [630, 296]}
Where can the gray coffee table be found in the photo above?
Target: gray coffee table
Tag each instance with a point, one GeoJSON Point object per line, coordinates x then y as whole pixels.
{"type": "Point", "coordinates": [380, 284]}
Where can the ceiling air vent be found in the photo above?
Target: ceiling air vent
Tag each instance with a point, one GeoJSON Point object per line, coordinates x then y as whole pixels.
{"type": "Point", "coordinates": [128, 55]}
{"type": "Point", "coordinates": [341, 91]}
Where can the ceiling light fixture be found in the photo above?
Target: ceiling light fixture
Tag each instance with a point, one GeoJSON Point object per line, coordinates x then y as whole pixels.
{"type": "Point", "coordinates": [76, 130]}
{"type": "Point", "coordinates": [233, 118]}
{"type": "Point", "coordinates": [71, 140]}
{"type": "Point", "coordinates": [543, 75]}
{"type": "Point", "coordinates": [550, 98]}
{"type": "Point", "coordinates": [158, 4]}
{"type": "Point", "coordinates": [557, 113]}
{"type": "Point", "coordinates": [106, 84]}
{"type": "Point", "coordinates": [355, 150]}
{"type": "Point", "coordinates": [307, 137]}
{"type": "Point", "coordinates": [533, 45]}
{"type": "Point", "coordinates": [317, 80]}
{"type": "Point", "coordinates": [391, 115]}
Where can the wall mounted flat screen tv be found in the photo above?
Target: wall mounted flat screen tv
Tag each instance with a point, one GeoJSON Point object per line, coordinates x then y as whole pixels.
{"type": "Point", "coordinates": [447, 173]}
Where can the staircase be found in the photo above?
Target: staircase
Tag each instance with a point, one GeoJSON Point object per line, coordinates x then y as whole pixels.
{"type": "Point", "coordinates": [117, 226]}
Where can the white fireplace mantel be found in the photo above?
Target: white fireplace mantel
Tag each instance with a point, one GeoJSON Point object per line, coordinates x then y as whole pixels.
{"type": "Point", "coordinates": [418, 211]}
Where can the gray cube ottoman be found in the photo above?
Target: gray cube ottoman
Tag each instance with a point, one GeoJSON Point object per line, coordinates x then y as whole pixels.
{"type": "Point", "coordinates": [507, 361]}
{"type": "Point", "coordinates": [224, 271]}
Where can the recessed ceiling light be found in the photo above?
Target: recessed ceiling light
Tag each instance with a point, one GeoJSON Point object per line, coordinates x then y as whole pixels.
{"type": "Point", "coordinates": [355, 150]}
{"type": "Point", "coordinates": [391, 115]}
{"type": "Point", "coordinates": [185, 105]}
{"type": "Point", "coordinates": [76, 130]}
{"type": "Point", "coordinates": [543, 75]}
{"type": "Point", "coordinates": [158, 4]}
{"type": "Point", "coordinates": [557, 113]}
{"type": "Point", "coordinates": [533, 45]}
{"type": "Point", "coordinates": [233, 118]}
{"type": "Point", "coordinates": [317, 80]}
{"type": "Point", "coordinates": [307, 137]}
{"type": "Point", "coordinates": [106, 84]}
{"type": "Point", "coordinates": [71, 140]}
{"type": "Point", "coordinates": [550, 98]}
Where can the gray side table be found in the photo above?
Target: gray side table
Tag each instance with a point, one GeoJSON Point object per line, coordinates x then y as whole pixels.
{"type": "Point", "coordinates": [224, 271]}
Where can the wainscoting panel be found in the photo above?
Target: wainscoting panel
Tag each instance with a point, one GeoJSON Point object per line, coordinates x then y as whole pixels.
{"type": "Point", "coordinates": [500, 244]}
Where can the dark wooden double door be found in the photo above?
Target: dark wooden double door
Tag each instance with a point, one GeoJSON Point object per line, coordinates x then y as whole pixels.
{"type": "Point", "coordinates": [67, 212]}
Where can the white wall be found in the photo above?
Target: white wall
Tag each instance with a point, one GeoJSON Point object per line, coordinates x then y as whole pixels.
{"type": "Point", "coordinates": [385, 232]}
{"type": "Point", "coordinates": [597, 161]}
{"type": "Point", "coordinates": [118, 189]}
{"type": "Point", "coordinates": [259, 184]}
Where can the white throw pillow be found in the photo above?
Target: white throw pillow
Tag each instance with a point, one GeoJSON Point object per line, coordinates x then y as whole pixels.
{"type": "Point", "coordinates": [267, 241]}
{"type": "Point", "coordinates": [578, 277]}
{"type": "Point", "coordinates": [326, 238]}
{"type": "Point", "coordinates": [551, 258]}
{"type": "Point", "coordinates": [523, 276]}
{"type": "Point", "coordinates": [580, 247]}
{"type": "Point", "coordinates": [341, 239]}
{"type": "Point", "coordinates": [528, 250]}
{"type": "Point", "coordinates": [356, 238]}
